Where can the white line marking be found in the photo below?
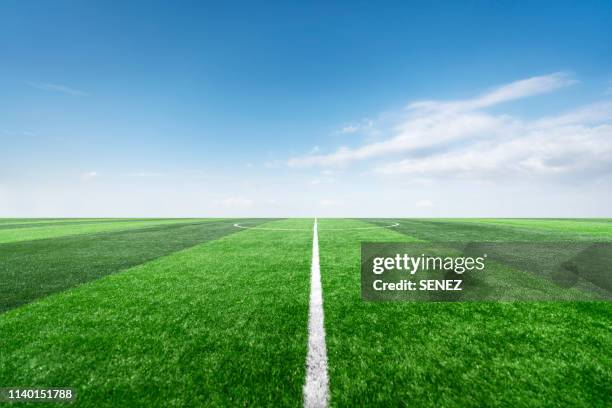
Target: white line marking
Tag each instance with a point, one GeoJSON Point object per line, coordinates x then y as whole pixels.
{"type": "Point", "coordinates": [272, 229]}
{"type": "Point", "coordinates": [395, 224]}
{"type": "Point", "coordinates": [316, 388]}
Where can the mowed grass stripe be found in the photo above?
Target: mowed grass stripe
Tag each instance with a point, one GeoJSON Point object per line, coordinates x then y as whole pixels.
{"type": "Point", "coordinates": [590, 284]}
{"type": "Point", "coordinates": [4, 221]}
{"type": "Point", "coordinates": [77, 221]}
{"type": "Point", "coordinates": [220, 324]}
{"type": "Point", "coordinates": [498, 231]}
{"type": "Point", "coordinates": [32, 269]}
{"type": "Point", "coordinates": [61, 229]}
{"type": "Point", "coordinates": [456, 354]}
{"type": "Point", "coordinates": [591, 227]}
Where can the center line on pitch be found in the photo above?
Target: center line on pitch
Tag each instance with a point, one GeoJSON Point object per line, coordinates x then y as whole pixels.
{"type": "Point", "coordinates": [316, 388]}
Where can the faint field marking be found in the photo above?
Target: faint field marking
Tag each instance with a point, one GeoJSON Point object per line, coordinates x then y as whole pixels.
{"type": "Point", "coordinates": [395, 224]}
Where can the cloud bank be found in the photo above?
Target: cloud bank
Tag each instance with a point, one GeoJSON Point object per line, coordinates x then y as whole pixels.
{"type": "Point", "coordinates": [462, 139]}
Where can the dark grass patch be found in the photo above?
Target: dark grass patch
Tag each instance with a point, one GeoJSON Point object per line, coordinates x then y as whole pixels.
{"type": "Point", "coordinates": [68, 221]}
{"type": "Point", "coordinates": [221, 324]}
{"type": "Point", "coordinates": [65, 228]}
{"type": "Point", "coordinates": [456, 354]}
{"type": "Point", "coordinates": [33, 269]}
{"type": "Point", "coordinates": [487, 231]}
{"type": "Point", "coordinates": [552, 239]}
{"type": "Point", "coordinates": [22, 220]}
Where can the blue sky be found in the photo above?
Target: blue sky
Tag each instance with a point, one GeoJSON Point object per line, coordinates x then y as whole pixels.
{"type": "Point", "coordinates": [294, 109]}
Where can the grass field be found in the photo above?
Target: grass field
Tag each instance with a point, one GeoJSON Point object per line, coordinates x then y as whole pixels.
{"type": "Point", "coordinates": [457, 354]}
{"type": "Point", "coordinates": [200, 313]}
{"type": "Point", "coordinates": [28, 230]}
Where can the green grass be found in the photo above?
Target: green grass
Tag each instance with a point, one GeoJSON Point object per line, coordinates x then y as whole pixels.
{"type": "Point", "coordinates": [27, 231]}
{"type": "Point", "coordinates": [537, 248]}
{"type": "Point", "coordinates": [223, 323]}
{"type": "Point", "coordinates": [33, 269]}
{"type": "Point", "coordinates": [487, 229]}
{"type": "Point", "coordinates": [5, 221]}
{"type": "Point", "coordinates": [199, 313]}
{"type": "Point", "coordinates": [456, 354]}
{"type": "Point", "coordinates": [25, 223]}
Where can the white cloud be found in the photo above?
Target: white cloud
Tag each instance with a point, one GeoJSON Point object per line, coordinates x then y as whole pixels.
{"type": "Point", "coordinates": [432, 123]}
{"type": "Point", "coordinates": [424, 204]}
{"type": "Point", "coordinates": [273, 164]}
{"type": "Point", "coordinates": [363, 125]}
{"type": "Point", "coordinates": [146, 174]}
{"type": "Point", "coordinates": [326, 203]}
{"type": "Point", "coordinates": [321, 180]}
{"type": "Point", "coordinates": [45, 86]}
{"type": "Point", "coordinates": [90, 175]}
{"type": "Point", "coordinates": [26, 133]}
{"type": "Point", "coordinates": [567, 150]}
{"type": "Point", "coordinates": [516, 90]}
{"type": "Point", "coordinates": [236, 202]}
{"type": "Point", "coordinates": [349, 129]}
{"type": "Point", "coordinates": [460, 139]}
{"type": "Point", "coordinates": [591, 114]}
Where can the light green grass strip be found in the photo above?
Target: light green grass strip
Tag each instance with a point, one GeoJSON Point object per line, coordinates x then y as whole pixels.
{"type": "Point", "coordinates": [52, 231]}
{"type": "Point", "coordinates": [18, 221]}
{"type": "Point", "coordinates": [220, 324]}
{"type": "Point", "coordinates": [30, 270]}
{"type": "Point", "coordinates": [594, 227]}
{"type": "Point", "coordinates": [456, 354]}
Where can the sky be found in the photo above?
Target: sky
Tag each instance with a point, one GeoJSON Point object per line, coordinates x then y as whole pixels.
{"type": "Point", "coordinates": [300, 109]}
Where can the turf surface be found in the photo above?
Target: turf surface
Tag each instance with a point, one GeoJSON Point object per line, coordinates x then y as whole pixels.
{"type": "Point", "coordinates": [62, 222]}
{"type": "Point", "coordinates": [534, 246]}
{"type": "Point", "coordinates": [223, 323]}
{"type": "Point", "coordinates": [40, 230]}
{"type": "Point", "coordinates": [456, 354]}
{"type": "Point", "coordinates": [33, 269]}
{"type": "Point", "coordinates": [512, 230]}
{"type": "Point", "coordinates": [200, 316]}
